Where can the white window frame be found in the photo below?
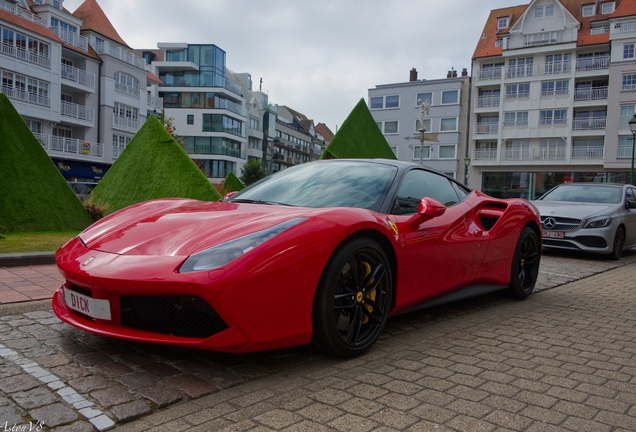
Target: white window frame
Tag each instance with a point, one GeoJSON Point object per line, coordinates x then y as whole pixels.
{"type": "Point", "coordinates": [439, 152]}
{"type": "Point", "coordinates": [384, 102]}
{"type": "Point", "coordinates": [502, 22]}
{"type": "Point", "coordinates": [417, 147]}
{"type": "Point", "coordinates": [538, 12]}
{"type": "Point", "coordinates": [585, 10]}
{"type": "Point", "coordinates": [428, 129]}
{"type": "Point", "coordinates": [418, 97]}
{"type": "Point", "coordinates": [450, 103]}
{"type": "Point", "coordinates": [632, 48]}
{"type": "Point", "coordinates": [382, 126]}
{"type": "Point", "coordinates": [612, 6]}
{"type": "Point", "coordinates": [549, 10]}
{"type": "Point", "coordinates": [395, 149]}
{"type": "Point", "coordinates": [449, 131]}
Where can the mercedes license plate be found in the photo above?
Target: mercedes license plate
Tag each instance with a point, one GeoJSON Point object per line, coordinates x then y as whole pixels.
{"type": "Point", "coordinates": [553, 234]}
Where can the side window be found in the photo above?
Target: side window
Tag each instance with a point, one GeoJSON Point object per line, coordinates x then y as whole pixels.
{"type": "Point", "coordinates": [418, 184]}
{"type": "Point", "coordinates": [631, 197]}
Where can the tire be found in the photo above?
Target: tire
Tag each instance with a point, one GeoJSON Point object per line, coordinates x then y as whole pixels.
{"type": "Point", "coordinates": [353, 299]}
{"type": "Point", "coordinates": [525, 264]}
{"type": "Point", "coordinates": [619, 243]}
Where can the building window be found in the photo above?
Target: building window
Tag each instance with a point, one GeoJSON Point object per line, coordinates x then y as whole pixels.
{"type": "Point", "coordinates": [34, 125]}
{"type": "Point", "coordinates": [607, 8]}
{"type": "Point", "coordinates": [119, 144]}
{"type": "Point", "coordinates": [190, 119]}
{"type": "Point", "coordinates": [427, 125]}
{"type": "Point", "coordinates": [450, 97]}
{"type": "Point", "coordinates": [394, 149]}
{"type": "Point", "coordinates": [520, 67]}
{"type": "Point", "coordinates": [448, 124]}
{"type": "Point", "coordinates": [254, 124]}
{"type": "Point", "coordinates": [555, 88]}
{"type": "Point", "coordinates": [627, 112]}
{"type": "Point", "coordinates": [502, 22]}
{"type": "Point", "coordinates": [588, 10]}
{"type": "Point", "coordinates": [628, 50]}
{"type": "Point", "coordinates": [25, 89]}
{"type": "Point", "coordinates": [426, 153]}
{"type": "Point", "coordinates": [221, 123]}
{"type": "Point", "coordinates": [558, 63]}
{"type": "Point", "coordinates": [538, 12]}
{"type": "Point", "coordinates": [390, 127]}
{"type": "Point", "coordinates": [519, 118]}
{"type": "Point", "coordinates": [447, 151]}
{"type": "Point", "coordinates": [549, 117]}
{"type": "Point", "coordinates": [126, 83]}
{"type": "Point", "coordinates": [379, 102]}
{"type": "Point", "coordinates": [423, 97]}
{"type": "Point", "coordinates": [625, 146]}
{"type": "Point", "coordinates": [517, 91]}
{"type": "Point", "coordinates": [629, 82]}
{"type": "Point", "coordinates": [549, 11]}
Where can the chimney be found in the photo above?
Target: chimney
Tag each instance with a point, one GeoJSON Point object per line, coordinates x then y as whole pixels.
{"type": "Point", "coordinates": [449, 74]}
{"type": "Point", "coordinates": [413, 75]}
{"type": "Point", "coordinates": [464, 72]}
{"type": "Point", "coordinates": [454, 72]}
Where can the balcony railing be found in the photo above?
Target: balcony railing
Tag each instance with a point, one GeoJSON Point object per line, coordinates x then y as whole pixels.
{"type": "Point", "coordinates": [553, 121]}
{"type": "Point", "coordinates": [57, 4]}
{"type": "Point", "coordinates": [516, 154]}
{"type": "Point", "coordinates": [70, 145]}
{"type": "Point", "coordinates": [624, 152]}
{"type": "Point", "coordinates": [25, 55]}
{"type": "Point", "coordinates": [589, 64]}
{"type": "Point", "coordinates": [548, 153]}
{"type": "Point", "coordinates": [591, 94]}
{"type": "Point", "coordinates": [24, 96]}
{"type": "Point", "coordinates": [587, 153]}
{"type": "Point", "coordinates": [76, 111]}
{"type": "Point", "coordinates": [549, 93]}
{"type": "Point", "coordinates": [120, 53]}
{"type": "Point", "coordinates": [154, 102]}
{"type": "Point", "coordinates": [486, 128]}
{"type": "Point", "coordinates": [589, 123]}
{"type": "Point", "coordinates": [516, 123]}
{"type": "Point", "coordinates": [77, 75]}
{"type": "Point", "coordinates": [626, 27]}
{"type": "Point", "coordinates": [485, 154]}
{"type": "Point", "coordinates": [628, 87]}
{"type": "Point", "coordinates": [125, 122]}
{"type": "Point", "coordinates": [16, 10]}
{"type": "Point", "coordinates": [487, 101]}
{"type": "Point", "coordinates": [214, 149]}
{"type": "Point", "coordinates": [490, 73]}
{"type": "Point", "coordinates": [520, 71]}
{"type": "Point", "coordinates": [538, 39]}
{"type": "Point", "coordinates": [71, 38]}
{"type": "Point", "coordinates": [625, 120]}
{"type": "Point", "coordinates": [127, 90]}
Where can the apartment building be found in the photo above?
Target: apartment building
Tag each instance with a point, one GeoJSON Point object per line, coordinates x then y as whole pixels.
{"type": "Point", "coordinates": [396, 109]}
{"type": "Point", "coordinates": [75, 82]}
{"type": "Point", "coordinates": [553, 87]}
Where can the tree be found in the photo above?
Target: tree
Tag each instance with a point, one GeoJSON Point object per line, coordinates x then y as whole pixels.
{"type": "Point", "coordinates": [252, 172]}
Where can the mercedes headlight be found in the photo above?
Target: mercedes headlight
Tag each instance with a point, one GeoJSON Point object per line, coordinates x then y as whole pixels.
{"type": "Point", "coordinates": [599, 223]}
{"type": "Point", "coordinates": [227, 252]}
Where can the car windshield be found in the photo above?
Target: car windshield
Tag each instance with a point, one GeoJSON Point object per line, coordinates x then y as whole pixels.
{"type": "Point", "coordinates": [324, 184]}
{"type": "Point", "coordinates": [584, 193]}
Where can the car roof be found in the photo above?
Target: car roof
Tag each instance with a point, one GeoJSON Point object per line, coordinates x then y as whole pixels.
{"type": "Point", "coordinates": [593, 184]}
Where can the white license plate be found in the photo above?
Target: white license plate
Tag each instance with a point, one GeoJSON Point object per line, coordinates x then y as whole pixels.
{"type": "Point", "coordinates": [94, 308]}
{"type": "Point", "coordinates": [554, 234]}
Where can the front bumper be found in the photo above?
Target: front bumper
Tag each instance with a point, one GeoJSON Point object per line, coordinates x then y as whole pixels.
{"type": "Point", "coordinates": [594, 240]}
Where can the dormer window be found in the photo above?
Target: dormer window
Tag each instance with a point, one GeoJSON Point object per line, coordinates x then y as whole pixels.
{"type": "Point", "coordinates": [549, 11]}
{"type": "Point", "coordinates": [538, 12]}
{"type": "Point", "coordinates": [607, 8]}
{"type": "Point", "coordinates": [588, 10]}
{"type": "Point", "coordinates": [502, 23]}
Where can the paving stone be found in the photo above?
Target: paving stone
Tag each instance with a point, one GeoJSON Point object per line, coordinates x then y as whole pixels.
{"type": "Point", "coordinates": [112, 396]}
{"type": "Point", "coordinates": [89, 383]}
{"type": "Point", "coordinates": [135, 359]}
{"type": "Point", "coordinates": [320, 413]}
{"type": "Point", "coordinates": [78, 426]}
{"type": "Point", "coordinates": [18, 383]}
{"type": "Point", "coordinates": [7, 370]}
{"type": "Point", "coordinates": [192, 385]}
{"type": "Point", "coordinates": [10, 416]}
{"type": "Point", "coordinates": [136, 380]}
{"type": "Point", "coordinates": [92, 359]}
{"type": "Point", "coordinates": [21, 344]}
{"type": "Point", "coordinates": [160, 395]}
{"type": "Point", "coordinates": [35, 398]}
{"type": "Point", "coordinates": [52, 361]}
{"type": "Point", "coordinates": [113, 369]}
{"type": "Point", "coordinates": [130, 411]}
{"type": "Point", "coordinates": [161, 370]}
{"type": "Point", "coordinates": [54, 415]}
{"type": "Point", "coordinates": [70, 371]}
{"type": "Point", "coordinates": [278, 419]}
{"type": "Point", "coordinates": [394, 418]}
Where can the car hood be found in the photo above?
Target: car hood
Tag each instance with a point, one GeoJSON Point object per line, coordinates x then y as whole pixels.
{"type": "Point", "coordinates": [574, 210]}
{"type": "Point", "coordinates": [175, 227]}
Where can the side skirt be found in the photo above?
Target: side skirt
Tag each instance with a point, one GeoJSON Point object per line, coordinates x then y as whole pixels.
{"type": "Point", "coordinates": [464, 293]}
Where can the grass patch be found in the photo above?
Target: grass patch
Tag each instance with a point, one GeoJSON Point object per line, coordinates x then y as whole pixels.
{"type": "Point", "coordinates": [41, 241]}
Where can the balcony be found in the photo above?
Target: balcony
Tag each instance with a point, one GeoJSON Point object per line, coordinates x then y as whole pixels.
{"type": "Point", "coordinates": [16, 10]}
{"type": "Point", "coordinates": [24, 96]}
{"type": "Point", "coordinates": [487, 101]}
{"type": "Point", "coordinates": [154, 103]}
{"type": "Point", "coordinates": [522, 154]}
{"type": "Point", "coordinates": [71, 38]}
{"type": "Point", "coordinates": [105, 48]}
{"type": "Point", "coordinates": [78, 76]}
{"type": "Point", "coordinates": [490, 74]}
{"type": "Point", "coordinates": [486, 128]}
{"type": "Point", "coordinates": [591, 94]}
{"type": "Point", "coordinates": [589, 123]}
{"type": "Point", "coordinates": [520, 71]}
{"type": "Point", "coordinates": [628, 87]}
{"type": "Point", "coordinates": [516, 123]}
{"type": "Point", "coordinates": [125, 123]}
{"type": "Point", "coordinates": [624, 152]}
{"type": "Point", "coordinates": [486, 154]}
{"type": "Point", "coordinates": [127, 90]}
{"type": "Point", "coordinates": [28, 56]}
{"type": "Point", "coordinates": [70, 145]}
{"type": "Point", "coordinates": [539, 39]}
{"type": "Point", "coordinates": [57, 4]}
{"type": "Point", "coordinates": [592, 64]}
{"type": "Point", "coordinates": [588, 153]}
{"type": "Point", "coordinates": [623, 28]}
{"type": "Point", "coordinates": [78, 112]}
{"type": "Point", "coordinates": [553, 93]}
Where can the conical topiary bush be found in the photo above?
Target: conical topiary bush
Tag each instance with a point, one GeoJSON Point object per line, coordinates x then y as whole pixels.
{"type": "Point", "coordinates": [34, 196]}
{"type": "Point", "coordinates": [232, 184]}
{"type": "Point", "coordinates": [152, 166]}
{"type": "Point", "coordinates": [358, 137]}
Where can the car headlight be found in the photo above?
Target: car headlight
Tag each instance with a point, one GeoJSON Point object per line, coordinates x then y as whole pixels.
{"type": "Point", "coordinates": [599, 223]}
{"type": "Point", "coordinates": [227, 252]}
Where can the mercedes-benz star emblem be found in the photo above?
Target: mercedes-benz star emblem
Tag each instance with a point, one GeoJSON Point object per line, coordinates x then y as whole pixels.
{"type": "Point", "coordinates": [549, 223]}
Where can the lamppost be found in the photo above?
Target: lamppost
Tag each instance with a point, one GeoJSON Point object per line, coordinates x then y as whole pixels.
{"type": "Point", "coordinates": [632, 127]}
{"type": "Point", "coordinates": [466, 163]}
{"type": "Point", "coordinates": [422, 131]}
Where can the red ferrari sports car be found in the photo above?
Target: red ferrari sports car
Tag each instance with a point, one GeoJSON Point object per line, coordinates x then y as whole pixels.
{"type": "Point", "coordinates": [323, 252]}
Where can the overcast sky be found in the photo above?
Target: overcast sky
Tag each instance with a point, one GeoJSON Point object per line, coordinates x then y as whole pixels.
{"type": "Point", "coordinates": [317, 57]}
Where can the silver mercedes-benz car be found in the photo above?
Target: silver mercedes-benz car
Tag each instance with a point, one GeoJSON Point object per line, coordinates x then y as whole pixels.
{"type": "Point", "coordinates": [590, 217]}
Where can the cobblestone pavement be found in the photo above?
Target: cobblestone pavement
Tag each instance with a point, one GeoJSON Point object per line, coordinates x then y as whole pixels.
{"type": "Point", "coordinates": [562, 360]}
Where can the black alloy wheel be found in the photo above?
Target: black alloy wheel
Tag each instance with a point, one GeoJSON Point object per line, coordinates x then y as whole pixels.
{"type": "Point", "coordinates": [619, 243]}
{"type": "Point", "coordinates": [525, 264]}
{"type": "Point", "coordinates": [353, 299]}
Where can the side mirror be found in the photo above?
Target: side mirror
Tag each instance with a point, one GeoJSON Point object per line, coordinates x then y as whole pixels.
{"type": "Point", "coordinates": [229, 195]}
{"type": "Point", "coordinates": [428, 208]}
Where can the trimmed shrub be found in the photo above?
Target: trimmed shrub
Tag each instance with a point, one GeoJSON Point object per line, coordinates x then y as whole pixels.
{"type": "Point", "coordinates": [231, 184]}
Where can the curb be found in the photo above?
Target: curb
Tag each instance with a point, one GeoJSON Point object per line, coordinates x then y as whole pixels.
{"type": "Point", "coordinates": [27, 259]}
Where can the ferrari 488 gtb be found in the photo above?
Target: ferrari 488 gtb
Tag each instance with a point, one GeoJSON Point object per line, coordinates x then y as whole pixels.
{"type": "Point", "coordinates": [323, 252]}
